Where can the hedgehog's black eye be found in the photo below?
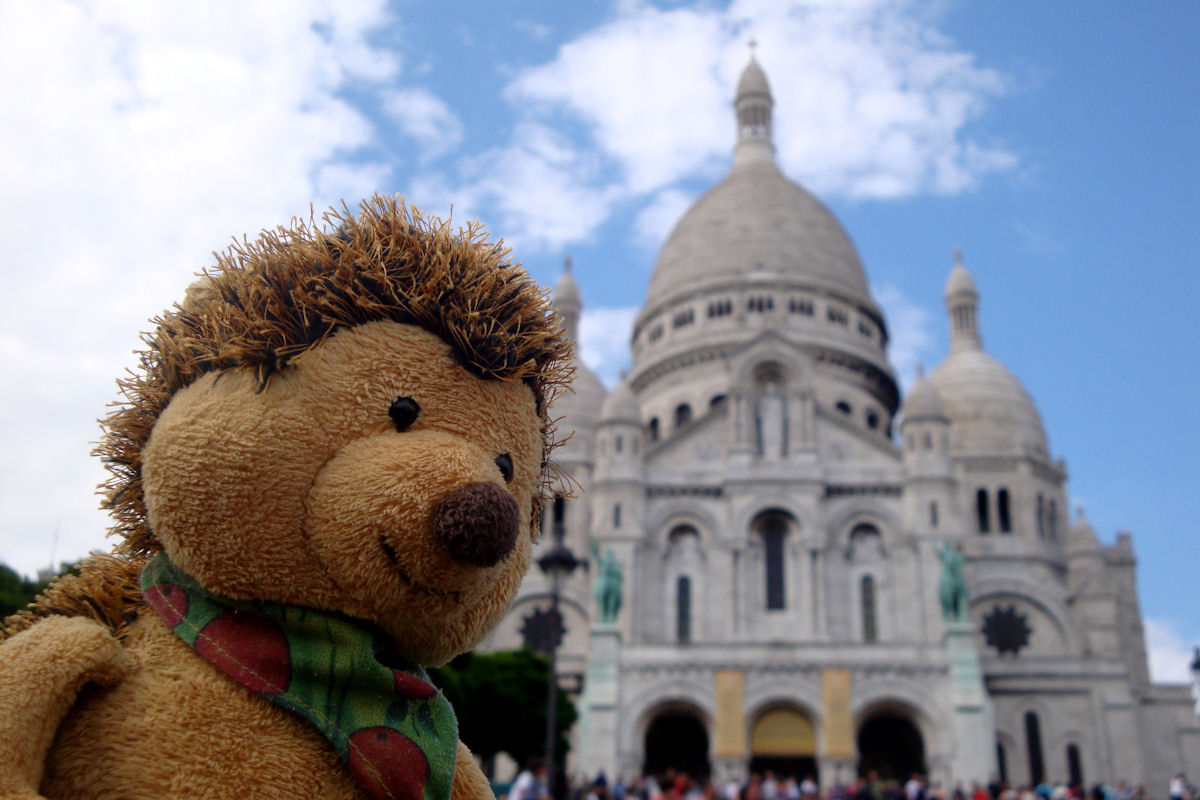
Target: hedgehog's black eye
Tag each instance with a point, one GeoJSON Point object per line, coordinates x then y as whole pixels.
{"type": "Point", "coordinates": [504, 462]}
{"type": "Point", "coordinates": [404, 413]}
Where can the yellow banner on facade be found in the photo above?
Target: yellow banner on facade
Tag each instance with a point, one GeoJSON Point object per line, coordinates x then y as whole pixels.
{"type": "Point", "coordinates": [730, 732]}
{"type": "Point", "coordinates": [839, 723]}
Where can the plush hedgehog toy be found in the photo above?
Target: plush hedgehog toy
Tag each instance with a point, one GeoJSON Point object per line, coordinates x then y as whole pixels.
{"type": "Point", "coordinates": [326, 474]}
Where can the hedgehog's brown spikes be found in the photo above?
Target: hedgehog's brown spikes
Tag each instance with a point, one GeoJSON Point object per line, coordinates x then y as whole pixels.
{"type": "Point", "coordinates": [105, 590]}
{"type": "Point", "coordinates": [266, 302]}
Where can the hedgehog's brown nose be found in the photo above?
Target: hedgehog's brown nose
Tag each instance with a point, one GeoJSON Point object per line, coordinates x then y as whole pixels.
{"type": "Point", "coordinates": [477, 524]}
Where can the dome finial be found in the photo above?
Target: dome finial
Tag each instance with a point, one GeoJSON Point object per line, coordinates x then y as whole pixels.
{"type": "Point", "coordinates": [752, 106]}
{"type": "Point", "coordinates": [962, 303]}
{"type": "Point", "coordinates": [920, 371]}
{"type": "Point", "coordinates": [568, 301]}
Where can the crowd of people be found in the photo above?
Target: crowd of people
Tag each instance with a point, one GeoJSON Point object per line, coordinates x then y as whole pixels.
{"type": "Point", "coordinates": [532, 784]}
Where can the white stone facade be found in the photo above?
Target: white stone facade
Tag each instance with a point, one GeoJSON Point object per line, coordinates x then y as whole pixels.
{"type": "Point", "coordinates": [777, 513]}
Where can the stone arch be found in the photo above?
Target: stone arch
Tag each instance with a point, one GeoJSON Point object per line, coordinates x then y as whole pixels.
{"type": "Point", "coordinates": [673, 539]}
{"type": "Point", "coordinates": [1056, 753]}
{"type": "Point", "coordinates": [1015, 715]}
{"type": "Point", "coordinates": [1010, 723]}
{"type": "Point", "coordinates": [669, 691]}
{"type": "Point", "coordinates": [784, 736]}
{"type": "Point", "coordinates": [782, 689]}
{"type": "Point", "coordinates": [865, 543]}
{"type": "Point", "coordinates": [765, 390]}
{"type": "Point", "coordinates": [907, 698]}
{"type": "Point", "coordinates": [769, 354]}
{"type": "Point", "coordinates": [997, 590]}
{"type": "Point", "coordinates": [1009, 744]}
{"type": "Point", "coordinates": [675, 514]}
{"type": "Point", "coordinates": [796, 696]}
{"type": "Point", "coordinates": [843, 521]}
{"type": "Point", "coordinates": [772, 534]}
{"type": "Point", "coordinates": [894, 737]}
{"type": "Point", "coordinates": [675, 735]}
{"type": "Point", "coordinates": [769, 502]}
{"type": "Point", "coordinates": [662, 559]}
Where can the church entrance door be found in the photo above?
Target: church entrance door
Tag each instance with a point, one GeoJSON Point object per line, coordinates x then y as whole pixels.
{"type": "Point", "coordinates": [890, 745]}
{"type": "Point", "coordinates": [676, 740]}
{"type": "Point", "coordinates": [783, 742]}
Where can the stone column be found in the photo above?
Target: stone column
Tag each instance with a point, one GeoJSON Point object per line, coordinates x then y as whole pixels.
{"type": "Point", "coordinates": [598, 722]}
{"type": "Point", "coordinates": [807, 426]}
{"type": "Point", "coordinates": [974, 756]}
{"type": "Point", "coordinates": [743, 435]}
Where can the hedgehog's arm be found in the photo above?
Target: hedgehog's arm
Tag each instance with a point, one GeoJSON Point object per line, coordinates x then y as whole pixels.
{"type": "Point", "coordinates": [469, 781]}
{"type": "Point", "coordinates": [42, 670]}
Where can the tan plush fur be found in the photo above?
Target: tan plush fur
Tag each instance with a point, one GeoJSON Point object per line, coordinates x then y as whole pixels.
{"type": "Point", "coordinates": [283, 478]}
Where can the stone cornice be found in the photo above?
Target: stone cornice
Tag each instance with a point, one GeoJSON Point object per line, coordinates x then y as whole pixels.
{"type": "Point", "coordinates": [842, 490]}
{"type": "Point", "coordinates": [681, 491]}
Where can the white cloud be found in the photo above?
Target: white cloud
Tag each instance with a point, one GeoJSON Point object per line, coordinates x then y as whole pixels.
{"type": "Point", "coordinates": [646, 85]}
{"type": "Point", "coordinates": [542, 190]}
{"type": "Point", "coordinates": [910, 328]}
{"type": "Point", "coordinates": [871, 102]}
{"type": "Point", "coordinates": [604, 341]}
{"type": "Point", "coordinates": [139, 137]}
{"type": "Point", "coordinates": [1169, 654]}
{"type": "Point", "coordinates": [424, 117]}
{"type": "Point", "coordinates": [532, 29]}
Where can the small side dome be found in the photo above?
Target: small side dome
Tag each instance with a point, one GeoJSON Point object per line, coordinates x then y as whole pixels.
{"type": "Point", "coordinates": [621, 406]}
{"type": "Point", "coordinates": [923, 402]}
{"type": "Point", "coordinates": [988, 408]}
{"type": "Point", "coordinates": [1082, 536]}
{"type": "Point", "coordinates": [581, 408]}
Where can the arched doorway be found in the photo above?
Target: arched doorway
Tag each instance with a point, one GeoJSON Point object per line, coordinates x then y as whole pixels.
{"type": "Point", "coordinates": [890, 745]}
{"type": "Point", "coordinates": [783, 741]}
{"type": "Point", "coordinates": [676, 739]}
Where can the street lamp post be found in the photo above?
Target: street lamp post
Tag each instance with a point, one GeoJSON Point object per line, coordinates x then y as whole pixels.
{"type": "Point", "coordinates": [558, 563]}
{"type": "Point", "coordinates": [1195, 667]}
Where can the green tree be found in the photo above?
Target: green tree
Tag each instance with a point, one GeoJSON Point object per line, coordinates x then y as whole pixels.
{"type": "Point", "coordinates": [16, 591]}
{"type": "Point", "coordinates": [500, 701]}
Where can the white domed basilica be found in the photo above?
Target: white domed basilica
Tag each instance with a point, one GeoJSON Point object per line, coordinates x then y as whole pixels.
{"type": "Point", "coordinates": [792, 568]}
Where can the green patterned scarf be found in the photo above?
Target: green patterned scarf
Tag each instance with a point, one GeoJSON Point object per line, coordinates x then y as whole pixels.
{"type": "Point", "coordinates": [396, 733]}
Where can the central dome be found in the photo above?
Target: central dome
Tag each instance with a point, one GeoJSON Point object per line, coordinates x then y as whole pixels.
{"type": "Point", "coordinates": [757, 221]}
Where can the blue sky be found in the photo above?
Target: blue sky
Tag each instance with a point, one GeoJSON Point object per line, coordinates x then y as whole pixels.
{"type": "Point", "coordinates": [1055, 143]}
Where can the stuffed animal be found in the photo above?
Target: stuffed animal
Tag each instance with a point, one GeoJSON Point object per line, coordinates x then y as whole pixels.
{"type": "Point", "coordinates": [326, 474]}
